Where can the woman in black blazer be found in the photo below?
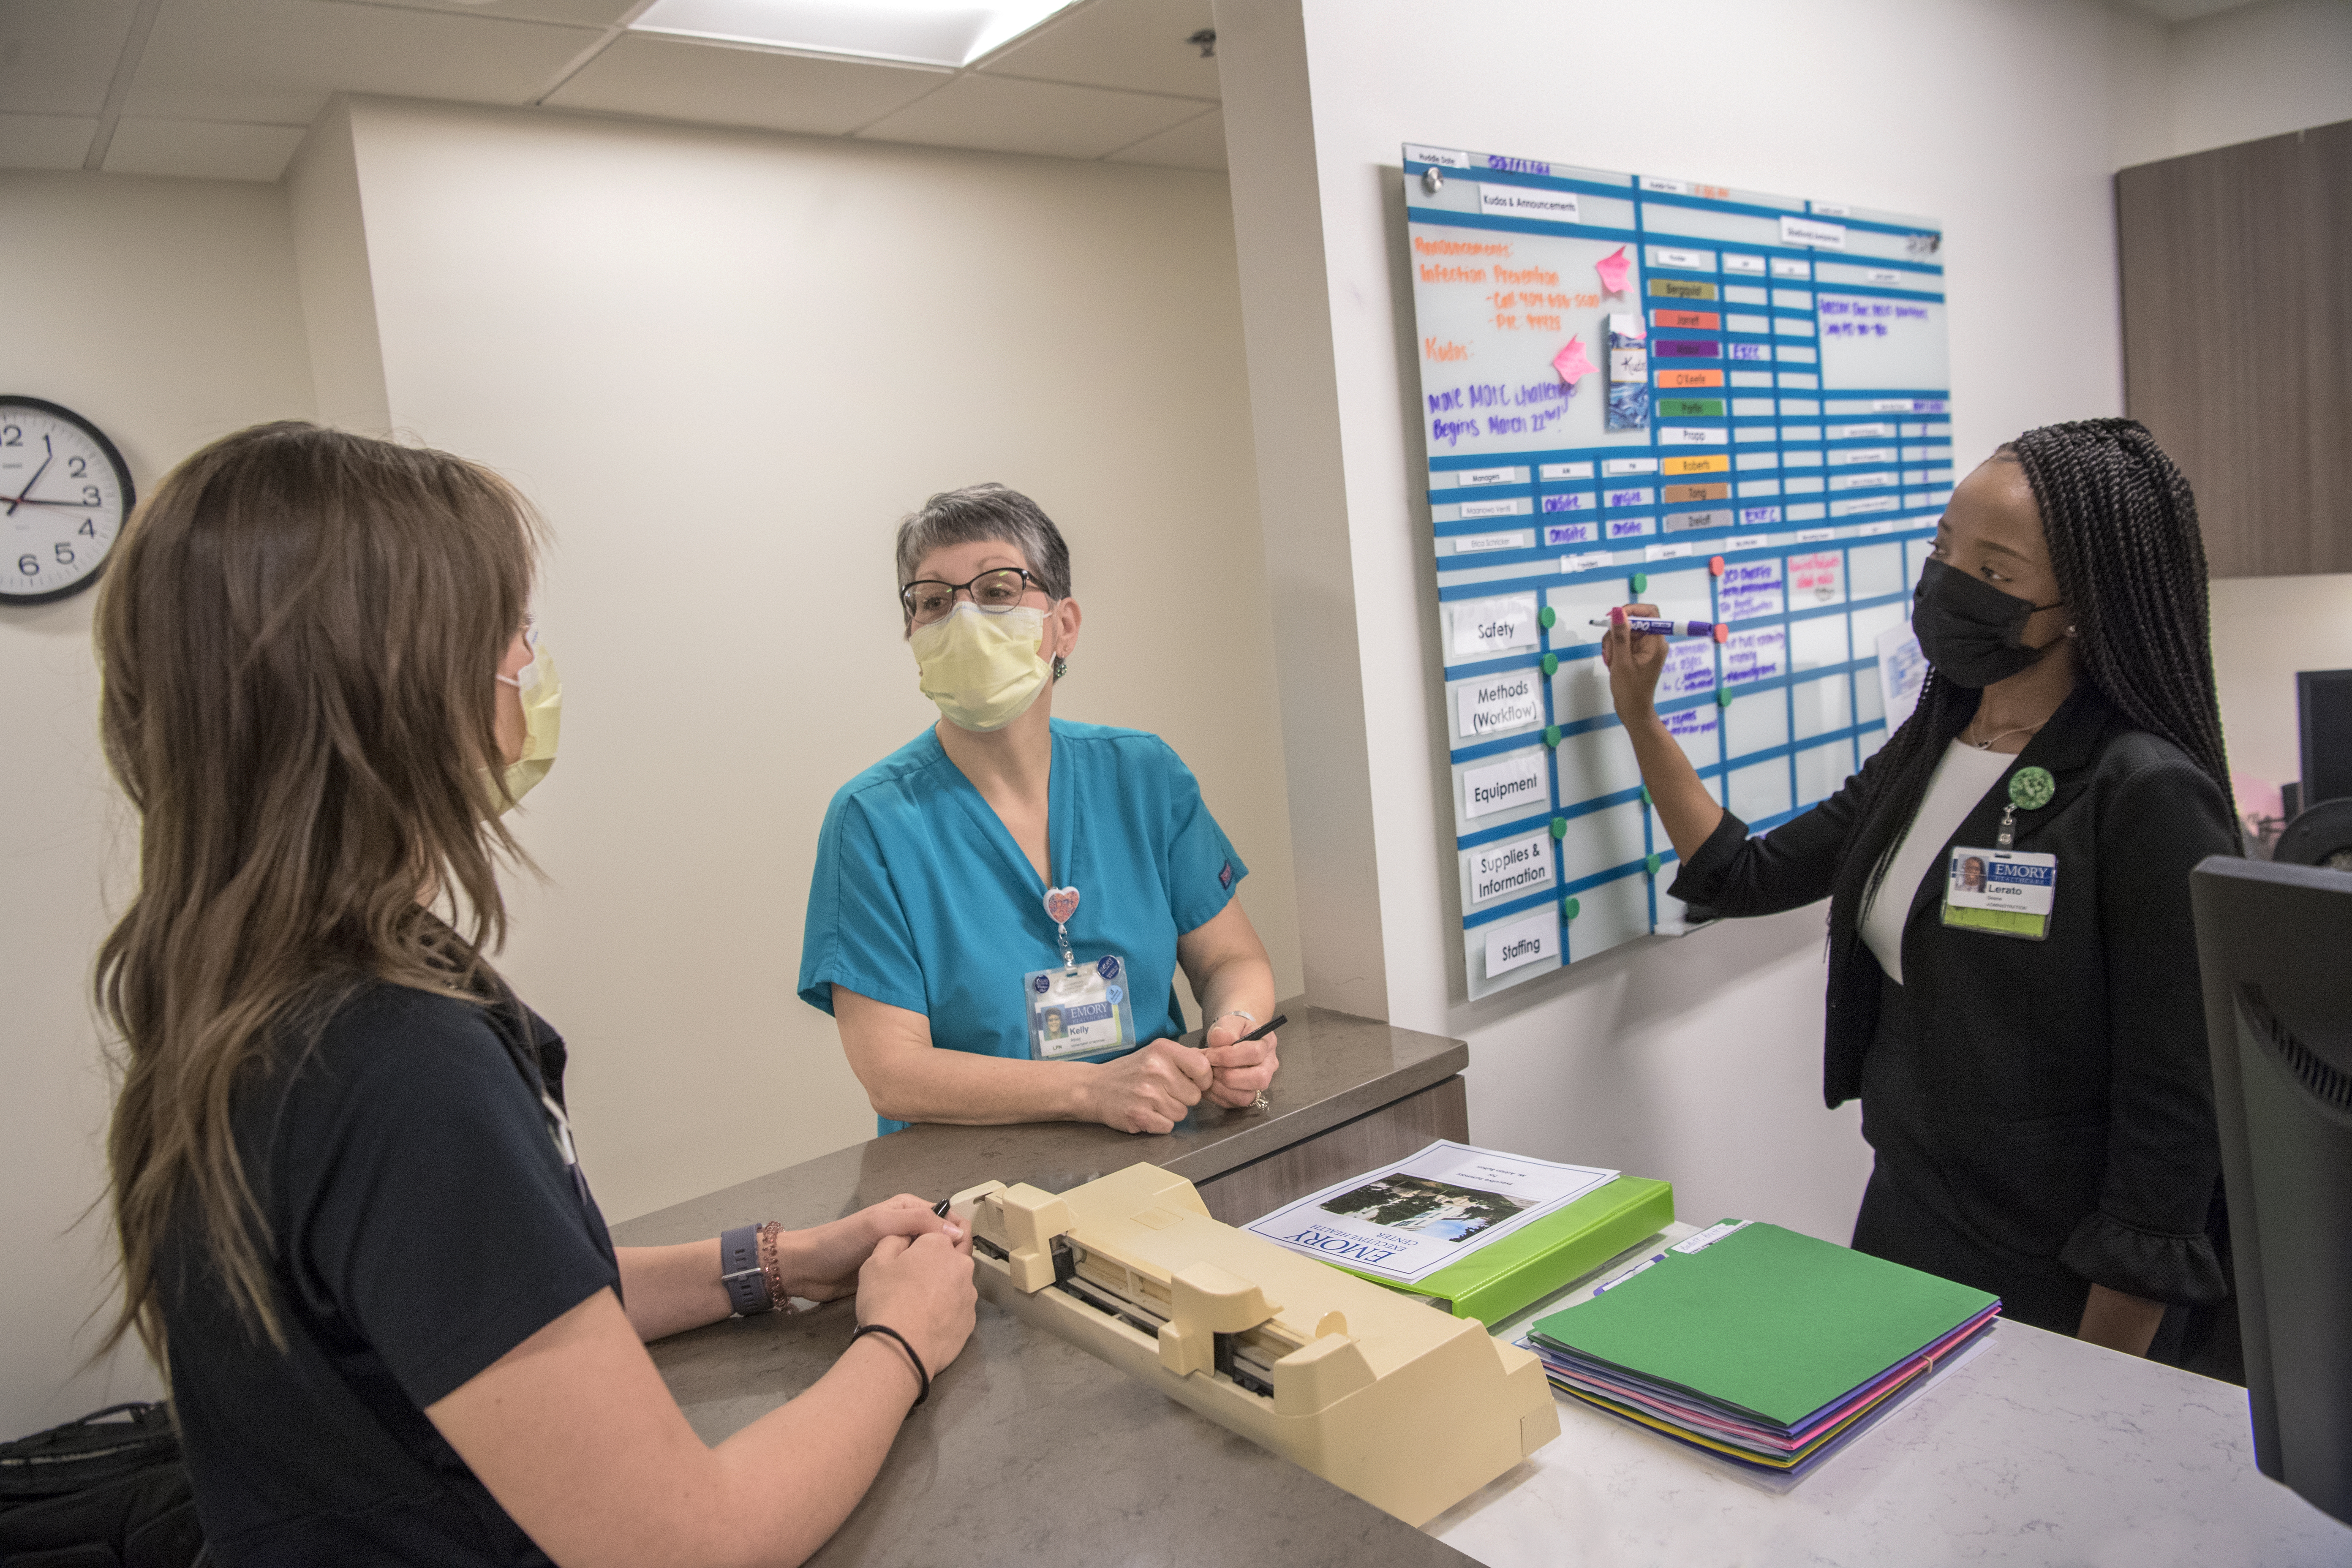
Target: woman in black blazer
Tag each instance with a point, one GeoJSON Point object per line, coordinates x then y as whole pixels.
{"type": "Point", "coordinates": [2031, 1058]}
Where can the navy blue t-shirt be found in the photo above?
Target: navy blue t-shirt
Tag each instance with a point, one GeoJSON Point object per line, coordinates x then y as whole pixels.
{"type": "Point", "coordinates": [426, 1221]}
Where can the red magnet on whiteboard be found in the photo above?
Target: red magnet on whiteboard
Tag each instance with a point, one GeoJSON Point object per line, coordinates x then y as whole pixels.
{"type": "Point", "coordinates": [1715, 565]}
{"type": "Point", "coordinates": [1722, 632]}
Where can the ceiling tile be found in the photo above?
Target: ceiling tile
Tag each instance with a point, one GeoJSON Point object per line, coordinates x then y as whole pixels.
{"type": "Point", "coordinates": [277, 61]}
{"type": "Point", "coordinates": [1134, 44]}
{"type": "Point", "coordinates": [998, 114]}
{"type": "Point", "coordinates": [44, 141]}
{"type": "Point", "coordinates": [1198, 143]}
{"type": "Point", "coordinates": [201, 149]}
{"type": "Point", "coordinates": [707, 83]}
{"type": "Point", "coordinates": [583, 12]}
{"type": "Point", "coordinates": [56, 56]}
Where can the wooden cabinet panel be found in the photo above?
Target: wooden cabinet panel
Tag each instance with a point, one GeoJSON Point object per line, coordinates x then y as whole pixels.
{"type": "Point", "coordinates": [2238, 341]}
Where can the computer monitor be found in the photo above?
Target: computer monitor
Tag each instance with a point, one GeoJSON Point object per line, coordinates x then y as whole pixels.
{"type": "Point", "coordinates": [2271, 944]}
{"type": "Point", "coordinates": [2323, 709]}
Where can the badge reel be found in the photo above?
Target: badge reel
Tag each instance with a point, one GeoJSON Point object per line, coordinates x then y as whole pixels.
{"type": "Point", "coordinates": [2002, 891]}
{"type": "Point", "coordinates": [1076, 1011]}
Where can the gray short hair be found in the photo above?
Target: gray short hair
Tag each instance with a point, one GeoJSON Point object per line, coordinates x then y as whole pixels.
{"type": "Point", "coordinates": [989, 511]}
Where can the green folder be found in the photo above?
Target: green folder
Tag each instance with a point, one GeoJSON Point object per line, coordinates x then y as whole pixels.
{"type": "Point", "coordinates": [1766, 1320]}
{"type": "Point", "coordinates": [1530, 1263]}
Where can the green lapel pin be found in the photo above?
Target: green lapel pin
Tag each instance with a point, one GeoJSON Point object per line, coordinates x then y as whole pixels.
{"type": "Point", "coordinates": [2029, 789]}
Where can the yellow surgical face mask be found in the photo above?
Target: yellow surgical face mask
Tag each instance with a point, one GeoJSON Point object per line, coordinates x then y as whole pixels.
{"type": "Point", "coordinates": [983, 669]}
{"type": "Point", "coordinates": [542, 718]}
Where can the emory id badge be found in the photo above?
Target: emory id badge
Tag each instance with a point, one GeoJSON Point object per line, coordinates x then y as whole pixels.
{"type": "Point", "coordinates": [1077, 1013]}
{"type": "Point", "coordinates": [2004, 890]}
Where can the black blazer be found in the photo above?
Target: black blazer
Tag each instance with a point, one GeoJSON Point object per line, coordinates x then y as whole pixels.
{"type": "Point", "coordinates": [2079, 1061]}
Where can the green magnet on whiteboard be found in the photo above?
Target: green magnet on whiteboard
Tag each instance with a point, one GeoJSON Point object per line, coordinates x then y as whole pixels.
{"type": "Point", "coordinates": [1723, 699]}
{"type": "Point", "coordinates": [1547, 618]}
{"type": "Point", "coordinates": [1650, 864]}
{"type": "Point", "coordinates": [1559, 827]}
{"type": "Point", "coordinates": [1551, 660]}
{"type": "Point", "coordinates": [1551, 734]}
{"type": "Point", "coordinates": [1570, 909]}
{"type": "Point", "coordinates": [1645, 794]}
{"type": "Point", "coordinates": [1640, 583]}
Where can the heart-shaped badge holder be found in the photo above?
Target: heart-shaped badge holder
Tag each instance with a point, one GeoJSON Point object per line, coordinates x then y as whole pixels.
{"type": "Point", "coordinates": [1061, 903]}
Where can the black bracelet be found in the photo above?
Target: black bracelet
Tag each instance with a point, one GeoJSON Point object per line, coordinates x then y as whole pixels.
{"type": "Point", "coordinates": [866, 1328]}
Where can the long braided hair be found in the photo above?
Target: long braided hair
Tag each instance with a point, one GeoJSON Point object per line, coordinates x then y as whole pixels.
{"type": "Point", "coordinates": [2121, 528]}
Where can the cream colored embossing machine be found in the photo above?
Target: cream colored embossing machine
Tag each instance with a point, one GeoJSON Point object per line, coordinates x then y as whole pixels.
{"type": "Point", "coordinates": [1409, 1408]}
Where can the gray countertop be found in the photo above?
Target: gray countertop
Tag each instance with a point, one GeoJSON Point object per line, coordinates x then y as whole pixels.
{"type": "Point", "coordinates": [1031, 1450]}
{"type": "Point", "coordinates": [1335, 1068]}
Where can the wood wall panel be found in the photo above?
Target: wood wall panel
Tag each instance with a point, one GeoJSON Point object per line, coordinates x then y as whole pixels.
{"type": "Point", "coordinates": [2238, 341]}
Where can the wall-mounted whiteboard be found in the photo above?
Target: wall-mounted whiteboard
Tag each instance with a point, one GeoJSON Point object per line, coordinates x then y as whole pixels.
{"type": "Point", "coordinates": [1732, 405]}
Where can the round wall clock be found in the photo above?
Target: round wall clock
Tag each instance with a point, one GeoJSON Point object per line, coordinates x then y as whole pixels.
{"type": "Point", "coordinates": [64, 494]}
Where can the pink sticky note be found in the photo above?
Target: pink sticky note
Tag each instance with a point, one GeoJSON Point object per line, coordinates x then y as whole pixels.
{"type": "Point", "coordinates": [1571, 363]}
{"type": "Point", "coordinates": [1613, 270]}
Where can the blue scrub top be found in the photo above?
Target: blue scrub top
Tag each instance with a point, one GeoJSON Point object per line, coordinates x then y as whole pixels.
{"type": "Point", "coordinates": [922, 899]}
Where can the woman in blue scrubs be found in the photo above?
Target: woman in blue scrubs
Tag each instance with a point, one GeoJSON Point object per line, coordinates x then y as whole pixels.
{"type": "Point", "coordinates": [999, 906]}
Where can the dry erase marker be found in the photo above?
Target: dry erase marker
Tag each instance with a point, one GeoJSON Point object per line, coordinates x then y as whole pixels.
{"type": "Point", "coordinates": [1654, 627]}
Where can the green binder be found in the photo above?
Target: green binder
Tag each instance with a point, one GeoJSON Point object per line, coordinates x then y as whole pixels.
{"type": "Point", "coordinates": [1515, 1271]}
{"type": "Point", "coordinates": [1765, 1320]}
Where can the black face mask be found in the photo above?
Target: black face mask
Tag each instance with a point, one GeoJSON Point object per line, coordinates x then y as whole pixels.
{"type": "Point", "coordinates": [1970, 631]}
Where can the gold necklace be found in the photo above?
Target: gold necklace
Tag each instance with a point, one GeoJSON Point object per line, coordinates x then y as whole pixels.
{"type": "Point", "coordinates": [1985, 745]}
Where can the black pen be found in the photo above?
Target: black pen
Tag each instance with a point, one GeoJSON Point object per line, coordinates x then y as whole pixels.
{"type": "Point", "coordinates": [1262, 1031]}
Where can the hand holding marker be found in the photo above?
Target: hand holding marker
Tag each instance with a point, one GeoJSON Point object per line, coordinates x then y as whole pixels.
{"type": "Point", "coordinates": [1653, 627]}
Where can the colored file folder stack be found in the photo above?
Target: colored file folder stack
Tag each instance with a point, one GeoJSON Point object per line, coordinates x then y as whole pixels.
{"type": "Point", "coordinates": [1766, 1348]}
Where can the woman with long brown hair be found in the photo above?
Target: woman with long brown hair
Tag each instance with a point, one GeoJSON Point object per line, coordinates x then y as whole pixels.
{"type": "Point", "coordinates": [353, 1229]}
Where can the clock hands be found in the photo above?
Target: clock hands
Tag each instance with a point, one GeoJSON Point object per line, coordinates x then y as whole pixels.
{"type": "Point", "coordinates": [13, 502]}
{"type": "Point", "coordinates": [48, 455]}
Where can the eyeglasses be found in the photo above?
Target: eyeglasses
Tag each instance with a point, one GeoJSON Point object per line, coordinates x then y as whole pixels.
{"type": "Point", "coordinates": [927, 600]}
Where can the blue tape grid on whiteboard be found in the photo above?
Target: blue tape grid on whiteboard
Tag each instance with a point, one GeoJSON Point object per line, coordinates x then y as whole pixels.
{"type": "Point", "coordinates": [1917, 482]}
{"type": "Point", "coordinates": [1718, 774]}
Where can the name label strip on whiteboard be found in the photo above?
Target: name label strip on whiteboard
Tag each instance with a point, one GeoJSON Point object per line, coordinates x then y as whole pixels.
{"type": "Point", "coordinates": [1517, 201]}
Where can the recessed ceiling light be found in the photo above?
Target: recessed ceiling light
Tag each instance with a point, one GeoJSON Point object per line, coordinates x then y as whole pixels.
{"type": "Point", "coordinates": [915, 32]}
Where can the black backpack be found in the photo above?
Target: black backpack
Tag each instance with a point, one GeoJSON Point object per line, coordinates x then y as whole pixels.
{"type": "Point", "coordinates": [106, 1491]}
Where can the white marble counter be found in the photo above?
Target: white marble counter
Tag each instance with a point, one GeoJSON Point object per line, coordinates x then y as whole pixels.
{"type": "Point", "coordinates": [2036, 1449]}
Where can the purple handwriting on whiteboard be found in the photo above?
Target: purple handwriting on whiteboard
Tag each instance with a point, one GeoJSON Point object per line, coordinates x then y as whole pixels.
{"type": "Point", "coordinates": [1753, 656]}
{"type": "Point", "coordinates": [1570, 533]}
{"type": "Point", "coordinates": [1690, 668]}
{"type": "Point", "coordinates": [1629, 527]}
{"type": "Point", "coordinates": [1750, 589]}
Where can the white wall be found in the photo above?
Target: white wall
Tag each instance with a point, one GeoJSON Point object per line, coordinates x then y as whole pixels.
{"type": "Point", "coordinates": [724, 363]}
{"type": "Point", "coordinates": [2264, 630]}
{"type": "Point", "coordinates": [2260, 70]}
{"type": "Point", "coordinates": [1696, 1059]}
{"type": "Point", "coordinates": [165, 311]}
